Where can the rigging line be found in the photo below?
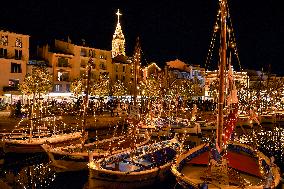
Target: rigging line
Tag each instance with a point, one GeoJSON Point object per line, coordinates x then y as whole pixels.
{"type": "Point", "coordinates": [143, 56]}
{"type": "Point", "coordinates": [233, 36]}
{"type": "Point", "coordinates": [212, 42]}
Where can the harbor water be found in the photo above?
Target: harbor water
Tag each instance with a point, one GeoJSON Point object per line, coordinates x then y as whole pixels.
{"type": "Point", "coordinates": [34, 170]}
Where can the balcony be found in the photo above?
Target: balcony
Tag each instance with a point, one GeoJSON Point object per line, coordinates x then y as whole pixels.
{"type": "Point", "coordinates": [10, 88]}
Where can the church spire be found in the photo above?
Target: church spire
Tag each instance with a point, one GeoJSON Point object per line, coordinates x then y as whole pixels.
{"type": "Point", "coordinates": [118, 41]}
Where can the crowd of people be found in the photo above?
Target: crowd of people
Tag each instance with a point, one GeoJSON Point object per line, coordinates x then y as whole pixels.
{"type": "Point", "coordinates": [114, 107]}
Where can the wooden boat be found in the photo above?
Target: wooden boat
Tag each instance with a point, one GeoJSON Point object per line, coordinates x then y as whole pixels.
{"type": "Point", "coordinates": [29, 139]}
{"type": "Point", "coordinates": [75, 157]}
{"type": "Point", "coordinates": [246, 167]}
{"type": "Point", "coordinates": [244, 121]}
{"type": "Point", "coordinates": [267, 118]}
{"type": "Point", "coordinates": [27, 145]}
{"type": "Point", "coordinates": [279, 116]}
{"type": "Point", "coordinates": [134, 168]}
{"type": "Point", "coordinates": [222, 163]}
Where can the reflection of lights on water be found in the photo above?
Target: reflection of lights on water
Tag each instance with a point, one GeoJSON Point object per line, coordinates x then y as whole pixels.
{"type": "Point", "coordinates": [270, 142]}
{"type": "Point", "coordinates": [36, 176]}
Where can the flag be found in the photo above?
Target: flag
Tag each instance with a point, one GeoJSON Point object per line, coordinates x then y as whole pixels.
{"type": "Point", "coordinates": [230, 123]}
{"type": "Point", "coordinates": [232, 98]}
{"type": "Point", "coordinates": [230, 74]}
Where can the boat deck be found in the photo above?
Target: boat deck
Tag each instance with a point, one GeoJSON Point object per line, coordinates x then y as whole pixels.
{"type": "Point", "coordinates": [196, 174]}
{"type": "Point", "coordinates": [246, 167]}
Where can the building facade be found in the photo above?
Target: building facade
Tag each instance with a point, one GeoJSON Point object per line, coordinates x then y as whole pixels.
{"type": "Point", "coordinates": [178, 70]}
{"type": "Point", "coordinates": [69, 61]}
{"type": "Point", "coordinates": [241, 81]}
{"type": "Point", "coordinates": [14, 56]}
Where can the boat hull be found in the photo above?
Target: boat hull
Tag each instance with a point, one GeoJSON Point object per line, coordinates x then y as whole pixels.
{"type": "Point", "coordinates": [23, 146]}
{"type": "Point", "coordinates": [126, 170]}
{"type": "Point", "coordinates": [111, 180]}
{"type": "Point", "coordinates": [65, 161]}
{"type": "Point", "coordinates": [190, 163]}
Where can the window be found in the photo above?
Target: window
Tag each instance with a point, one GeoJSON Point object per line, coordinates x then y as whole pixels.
{"type": "Point", "coordinates": [57, 87]}
{"type": "Point", "coordinates": [123, 78]}
{"type": "Point", "coordinates": [116, 77]}
{"type": "Point", "coordinates": [123, 69]}
{"type": "Point", "coordinates": [62, 76]}
{"type": "Point", "coordinates": [18, 54]}
{"type": "Point", "coordinates": [116, 68]}
{"type": "Point", "coordinates": [62, 62]}
{"type": "Point", "coordinates": [16, 68]}
{"type": "Point", "coordinates": [68, 88]}
{"type": "Point", "coordinates": [83, 63]}
{"type": "Point", "coordinates": [102, 66]}
{"type": "Point", "coordinates": [4, 40]}
{"type": "Point", "coordinates": [13, 82]}
{"type": "Point", "coordinates": [83, 52]}
{"type": "Point", "coordinates": [3, 53]}
{"type": "Point", "coordinates": [18, 42]}
{"type": "Point", "coordinates": [102, 56]}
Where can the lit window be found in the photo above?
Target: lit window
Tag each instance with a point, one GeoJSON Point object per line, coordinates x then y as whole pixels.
{"type": "Point", "coordinates": [13, 82]}
{"type": "Point", "coordinates": [18, 42]}
{"type": "Point", "coordinates": [59, 76]}
{"type": "Point", "coordinates": [4, 40]}
{"type": "Point", "coordinates": [57, 88]}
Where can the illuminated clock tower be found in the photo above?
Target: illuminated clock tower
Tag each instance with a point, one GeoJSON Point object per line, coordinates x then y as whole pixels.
{"type": "Point", "coordinates": [118, 41]}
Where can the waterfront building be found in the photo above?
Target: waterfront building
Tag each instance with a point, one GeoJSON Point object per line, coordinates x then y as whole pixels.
{"type": "Point", "coordinates": [14, 56]}
{"type": "Point", "coordinates": [178, 70]}
{"type": "Point", "coordinates": [68, 62]}
{"type": "Point", "coordinates": [241, 81]}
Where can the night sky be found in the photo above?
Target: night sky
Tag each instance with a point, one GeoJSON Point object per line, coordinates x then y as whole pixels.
{"type": "Point", "coordinates": [167, 29]}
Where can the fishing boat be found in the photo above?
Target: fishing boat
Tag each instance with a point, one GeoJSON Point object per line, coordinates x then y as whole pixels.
{"type": "Point", "coordinates": [138, 166]}
{"type": "Point", "coordinates": [267, 118]}
{"type": "Point", "coordinates": [223, 162]}
{"type": "Point", "coordinates": [29, 139]}
{"type": "Point", "coordinates": [134, 168]}
{"type": "Point", "coordinates": [75, 157]}
{"type": "Point", "coordinates": [244, 121]}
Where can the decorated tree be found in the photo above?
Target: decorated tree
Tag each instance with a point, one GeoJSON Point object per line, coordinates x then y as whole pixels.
{"type": "Point", "coordinates": [77, 86]}
{"type": "Point", "coordinates": [101, 87]}
{"type": "Point", "coordinates": [118, 89]}
{"type": "Point", "coordinates": [36, 83]}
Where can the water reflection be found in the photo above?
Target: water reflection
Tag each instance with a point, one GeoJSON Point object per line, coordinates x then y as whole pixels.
{"type": "Point", "coordinates": [34, 170]}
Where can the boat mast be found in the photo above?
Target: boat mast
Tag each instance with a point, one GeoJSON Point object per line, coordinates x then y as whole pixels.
{"type": "Point", "coordinates": [136, 68]}
{"type": "Point", "coordinates": [223, 59]}
{"type": "Point", "coordinates": [86, 100]}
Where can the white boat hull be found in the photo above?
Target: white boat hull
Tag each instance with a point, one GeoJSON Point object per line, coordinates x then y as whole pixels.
{"type": "Point", "coordinates": [24, 146]}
